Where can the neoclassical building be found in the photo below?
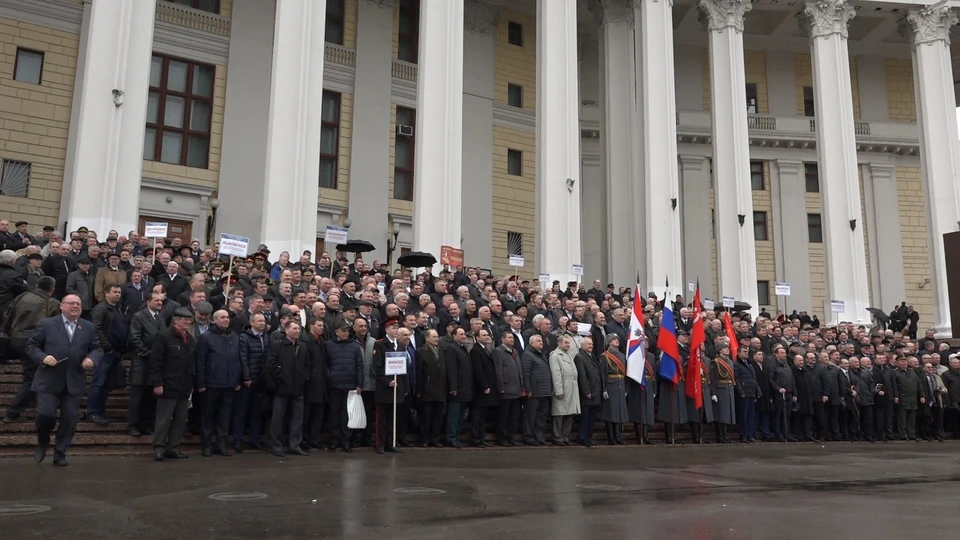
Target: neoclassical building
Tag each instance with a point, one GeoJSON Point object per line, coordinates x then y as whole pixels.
{"type": "Point", "coordinates": [735, 143]}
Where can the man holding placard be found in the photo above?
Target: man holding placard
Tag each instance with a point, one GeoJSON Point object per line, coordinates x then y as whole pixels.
{"type": "Point", "coordinates": [390, 369]}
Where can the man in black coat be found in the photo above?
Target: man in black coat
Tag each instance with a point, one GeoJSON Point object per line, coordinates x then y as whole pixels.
{"type": "Point", "coordinates": [591, 390]}
{"type": "Point", "coordinates": [288, 367]}
{"type": "Point", "coordinates": [390, 389]}
{"type": "Point", "coordinates": [254, 345]}
{"type": "Point", "coordinates": [345, 373]}
{"type": "Point", "coordinates": [315, 401]}
{"type": "Point", "coordinates": [26, 312]}
{"type": "Point", "coordinates": [218, 379]}
{"type": "Point", "coordinates": [64, 347]}
{"type": "Point", "coordinates": [830, 385]}
{"type": "Point", "coordinates": [431, 387]}
{"type": "Point", "coordinates": [459, 384]}
{"type": "Point", "coordinates": [484, 386]}
{"type": "Point", "coordinates": [12, 283]}
{"type": "Point", "coordinates": [538, 383]}
{"type": "Point", "coordinates": [506, 363]}
{"type": "Point", "coordinates": [748, 393]}
{"type": "Point", "coordinates": [58, 267]}
{"type": "Point", "coordinates": [144, 328]}
{"type": "Point", "coordinates": [175, 283]}
{"type": "Point", "coordinates": [111, 331]}
{"type": "Point", "coordinates": [170, 372]}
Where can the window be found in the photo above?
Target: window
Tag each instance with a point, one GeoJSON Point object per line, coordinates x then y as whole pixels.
{"type": "Point", "coordinates": [763, 293]}
{"type": "Point", "coordinates": [408, 37]}
{"type": "Point", "coordinates": [514, 244]}
{"type": "Point", "coordinates": [515, 33]}
{"type": "Point", "coordinates": [15, 178]}
{"type": "Point", "coordinates": [759, 225]}
{"type": "Point", "coordinates": [212, 6]}
{"type": "Point", "coordinates": [814, 229]}
{"type": "Point", "coordinates": [808, 108]}
{"type": "Point", "coordinates": [179, 109]}
{"type": "Point", "coordinates": [756, 175]}
{"type": "Point", "coordinates": [515, 162]}
{"type": "Point", "coordinates": [751, 98]}
{"type": "Point", "coordinates": [333, 33]}
{"type": "Point", "coordinates": [515, 95]}
{"type": "Point", "coordinates": [28, 66]}
{"type": "Point", "coordinates": [404, 154]}
{"type": "Point", "coordinates": [329, 139]}
{"type": "Point", "coordinates": [812, 177]}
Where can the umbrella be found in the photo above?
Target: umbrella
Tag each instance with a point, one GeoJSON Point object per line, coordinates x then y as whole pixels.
{"type": "Point", "coordinates": [417, 259]}
{"type": "Point", "coordinates": [879, 314]}
{"type": "Point", "coordinates": [356, 246]}
{"type": "Point", "coordinates": [741, 306]}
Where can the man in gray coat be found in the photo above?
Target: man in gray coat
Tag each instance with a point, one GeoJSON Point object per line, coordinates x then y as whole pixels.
{"type": "Point", "coordinates": [144, 327]}
{"type": "Point", "coordinates": [591, 388]}
{"type": "Point", "coordinates": [538, 385]}
{"type": "Point", "coordinates": [506, 363]}
{"type": "Point", "coordinates": [566, 395]}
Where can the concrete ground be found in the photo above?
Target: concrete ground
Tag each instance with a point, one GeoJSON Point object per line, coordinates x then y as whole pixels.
{"type": "Point", "coordinates": [770, 491]}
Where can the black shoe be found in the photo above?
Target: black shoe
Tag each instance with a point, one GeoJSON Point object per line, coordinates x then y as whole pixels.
{"type": "Point", "coordinates": [395, 450]}
{"type": "Point", "coordinates": [207, 452]}
{"type": "Point", "coordinates": [133, 431]}
{"type": "Point", "coordinates": [620, 441]}
{"type": "Point", "coordinates": [238, 449]}
{"type": "Point", "coordinates": [457, 444]}
{"type": "Point", "coordinates": [10, 417]}
{"type": "Point", "coordinates": [333, 448]}
{"type": "Point", "coordinates": [98, 419]}
{"type": "Point", "coordinates": [514, 443]}
{"type": "Point", "coordinates": [40, 453]}
{"type": "Point", "coordinates": [60, 461]}
{"type": "Point", "coordinates": [646, 440]}
{"type": "Point", "coordinates": [222, 452]}
{"type": "Point", "coordinates": [348, 449]}
{"type": "Point", "coordinates": [483, 444]}
{"type": "Point", "coordinates": [299, 451]}
{"type": "Point", "coordinates": [278, 453]}
{"type": "Point", "coordinates": [176, 454]}
{"type": "Point", "coordinates": [792, 439]}
{"type": "Point", "coordinates": [379, 449]}
{"type": "Point", "coordinates": [159, 455]}
{"type": "Point", "coordinates": [434, 444]}
{"type": "Point", "coordinates": [257, 446]}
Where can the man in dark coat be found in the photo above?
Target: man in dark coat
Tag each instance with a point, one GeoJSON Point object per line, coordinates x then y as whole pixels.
{"type": "Point", "coordinates": [862, 369]}
{"type": "Point", "coordinates": [506, 364]}
{"type": "Point", "coordinates": [802, 418]}
{"type": "Point", "coordinates": [26, 313]}
{"type": "Point", "coordinates": [254, 344]}
{"type": "Point", "coordinates": [170, 372]}
{"type": "Point", "coordinates": [748, 392]}
{"type": "Point", "coordinates": [12, 283]}
{"type": "Point", "coordinates": [65, 347]}
{"type": "Point", "coordinates": [538, 383]}
{"type": "Point", "coordinates": [830, 385]}
{"type": "Point", "coordinates": [884, 398]}
{"type": "Point", "coordinates": [58, 267]}
{"type": "Point", "coordinates": [722, 389]}
{"type": "Point", "coordinates": [111, 330]}
{"type": "Point", "coordinates": [145, 326]}
{"type": "Point", "coordinates": [909, 398]}
{"type": "Point", "coordinates": [783, 391]}
{"type": "Point", "coordinates": [316, 399]}
{"type": "Point", "coordinates": [390, 389]}
{"type": "Point", "coordinates": [591, 388]}
{"type": "Point", "coordinates": [344, 373]}
{"type": "Point", "coordinates": [431, 387]}
{"type": "Point", "coordinates": [288, 366]}
{"type": "Point", "coordinates": [459, 385]}
{"type": "Point", "coordinates": [484, 386]}
{"type": "Point", "coordinates": [175, 283]}
{"type": "Point", "coordinates": [218, 379]}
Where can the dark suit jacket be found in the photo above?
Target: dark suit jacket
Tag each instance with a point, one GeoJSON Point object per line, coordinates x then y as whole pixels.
{"type": "Point", "coordinates": [51, 338]}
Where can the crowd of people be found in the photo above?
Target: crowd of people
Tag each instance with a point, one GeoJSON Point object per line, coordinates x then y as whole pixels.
{"type": "Point", "coordinates": [269, 356]}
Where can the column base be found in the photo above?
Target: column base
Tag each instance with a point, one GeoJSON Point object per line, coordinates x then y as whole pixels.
{"type": "Point", "coordinates": [944, 331]}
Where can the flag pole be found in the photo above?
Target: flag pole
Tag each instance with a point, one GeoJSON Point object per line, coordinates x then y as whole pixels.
{"type": "Point", "coordinates": [394, 411]}
{"type": "Point", "coordinates": [673, 429]}
{"type": "Point", "coordinates": [642, 422]}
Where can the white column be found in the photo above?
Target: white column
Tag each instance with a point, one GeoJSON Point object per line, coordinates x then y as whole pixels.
{"type": "Point", "coordinates": [826, 21]}
{"type": "Point", "coordinates": [293, 132]}
{"type": "Point", "coordinates": [101, 184]}
{"type": "Point", "coordinates": [658, 144]}
{"type": "Point", "coordinates": [695, 207]}
{"type": "Point", "coordinates": [558, 139]}
{"type": "Point", "coordinates": [733, 198]}
{"type": "Point", "coordinates": [619, 98]}
{"type": "Point", "coordinates": [439, 152]}
{"type": "Point", "coordinates": [939, 144]}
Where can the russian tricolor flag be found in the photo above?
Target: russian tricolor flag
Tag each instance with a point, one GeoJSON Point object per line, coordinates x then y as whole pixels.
{"type": "Point", "coordinates": [669, 349]}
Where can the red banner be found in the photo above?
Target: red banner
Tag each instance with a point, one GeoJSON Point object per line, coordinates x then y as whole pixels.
{"type": "Point", "coordinates": [450, 256]}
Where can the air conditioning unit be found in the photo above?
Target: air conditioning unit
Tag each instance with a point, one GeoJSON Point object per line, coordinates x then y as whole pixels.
{"type": "Point", "coordinates": [404, 130]}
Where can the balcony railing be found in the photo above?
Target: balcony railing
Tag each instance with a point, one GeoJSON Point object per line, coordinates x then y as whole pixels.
{"type": "Point", "coordinates": [762, 122]}
{"type": "Point", "coordinates": [340, 55]}
{"type": "Point", "coordinates": [195, 19]}
{"type": "Point", "coordinates": [404, 70]}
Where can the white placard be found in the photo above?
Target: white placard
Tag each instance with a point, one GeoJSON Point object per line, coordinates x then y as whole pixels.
{"type": "Point", "coordinates": [578, 269]}
{"type": "Point", "coordinates": [155, 230]}
{"type": "Point", "coordinates": [708, 303]}
{"type": "Point", "coordinates": [583, 329]}
{"type": "Point", "coordinates": [516, 260]}
{"type": "Point", "coordinates": [836, 306]}
{"type": "Point", "coordinates": [382, 287]}
{"type": "Point", "coordinates": [234, 245]}
{"type": "Point", "coordinates": [781, 289]}
{"type": "Point", "coordinates": [544, 280]}
{"type": "Point", "coordinates": [728, 301]}
{"type": "Point", "coordinates": [396, 363]}
{"type": "Point", "coordinates": [691, 287]}
{"type": "Point", "coordinates": [335, 235]}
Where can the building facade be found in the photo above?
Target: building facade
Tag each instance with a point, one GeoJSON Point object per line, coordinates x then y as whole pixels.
{"type": "Point", "coordinates": [735, 143]}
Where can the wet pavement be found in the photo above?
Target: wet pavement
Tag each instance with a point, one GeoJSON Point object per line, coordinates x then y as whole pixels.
{"type": "Point", "coordinates": [767, 491]}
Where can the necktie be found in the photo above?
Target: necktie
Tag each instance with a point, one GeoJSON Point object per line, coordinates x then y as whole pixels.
{"type": "Point", "coordinates": [71, 326]}
{"type": "Point", "coordinates": [156, 317]}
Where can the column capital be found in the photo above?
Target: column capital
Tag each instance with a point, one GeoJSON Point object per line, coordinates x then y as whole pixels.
{"type": "Point", "coordinates": [929, 24]}
{"type": "Point", "coordinates": [481, 17]}
{"type": "Point", "coordinates": [692, 163]}
{"type": "Point", "coordinates": [613, 11]}
{"type": "Point", "coordinates": [718, 15]}
{"type": "Point", "coordinates": [823, 18]}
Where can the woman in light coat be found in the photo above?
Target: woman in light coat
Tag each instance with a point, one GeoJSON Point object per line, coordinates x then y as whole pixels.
{"type": "Point", "coordinates": [566, 393]}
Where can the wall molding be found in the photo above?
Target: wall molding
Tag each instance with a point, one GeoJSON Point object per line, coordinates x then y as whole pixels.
{"type": "Point", "coordinates": [174, 186]}
{"type": "Point", "coordinates": [190, 44]}
{"type": "Point", "coordinates": [47, 13]}
{"type": "Point", "coordinates": [403, 92]}
{"type": "Point", "coordinates": [514, 118]}
{"type": "Point", "coordinates": [338, 77]}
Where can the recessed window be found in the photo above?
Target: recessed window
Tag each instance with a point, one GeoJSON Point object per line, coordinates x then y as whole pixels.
{"type": "Point", "coordinates": [403, 159]}
{"type": "Point", "coordinates": [515, 162]}
{"type": "Point", "coordinates": [751, 98]}
{"type": "Point", "coordinates": [814, 229]}
{"type": "Point", "coordinates": [329, 139]}
{"type": "Point", "coordinates": [333, 32]}
{"type": "Point", "coordinates": [759, 226]}
{"type": "Point", "coordinates": [756, 175]}
{"type": "Point", "coordinates": [408, 36]}
{"type": "Point", "coordinates": [808, 105]}
{"type": "Point", "coordinates": [179, 112]}
{"type": "Point", "coordinates": [763, 293]}
{"type": "Point", "coordinates": [29, 66]}
{"type": "Point", "coordinates": [514, 244]}
{"type": "Point", "coordinates": [811, 175]}
{"type": "Point", "coordinates": [212, 6]}
{"type": "Point", "coordinates": [15, 178]}
{"type": "Point", "coordinates": [515, 95]}
{"type": "Point", "coordinates": [515, 33]}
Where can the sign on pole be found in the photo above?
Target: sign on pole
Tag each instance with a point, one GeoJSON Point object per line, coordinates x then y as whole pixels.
{"type": "Point", "coordinates": [544, 280]}
{"type": "Point", "coordinates": [836, 306]}
{"type": "Point", "coordinates": [396, 363]}
{"type": "Point", "coordinates": [781, 289]}
{"type": "Point", "coordinates": [691, 287]}
{"type": "Point", "coordinates": [335, 235]}
{"type": "Point", "coordinates": [516, 260]}
{"type": "Point", "coordinates": [728, 301]}
{"type": "Point", "coordinates": [234, 245]}
{"type": "Point", "coordinates": [578, 269]}
{"type": "Point", "coordinates": [708, 303]}
{"type": "Point", "coordinates": [583, 328]}
{"type": "Point", "coordinates": [155, 230]}
{"type": "Point", "coordinates": [451, 256]}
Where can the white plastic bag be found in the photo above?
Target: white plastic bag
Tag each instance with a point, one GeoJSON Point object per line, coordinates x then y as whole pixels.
{"type": "Point", "coordinates": [356, 416]}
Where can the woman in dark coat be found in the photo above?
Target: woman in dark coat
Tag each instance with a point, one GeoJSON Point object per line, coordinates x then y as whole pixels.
{"type": "Point", "coordinates": [640, 400]}
{"type": "Point", "coordinates": [722, 382]}
{"type": "Point", "coordinates": [315, 401]}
